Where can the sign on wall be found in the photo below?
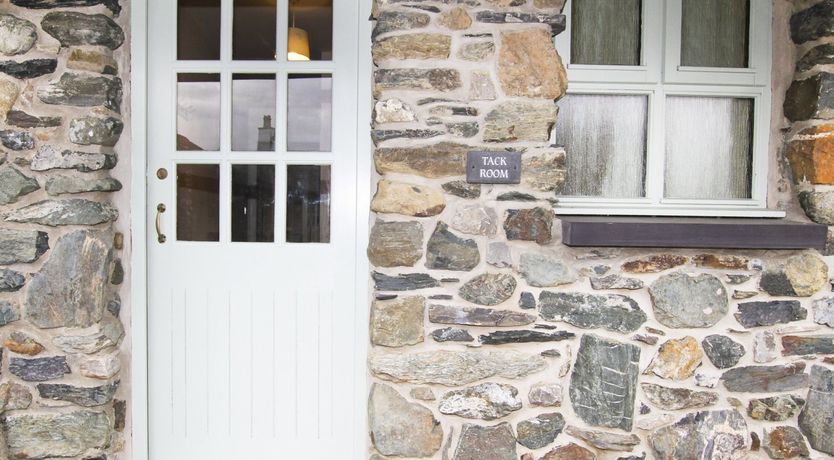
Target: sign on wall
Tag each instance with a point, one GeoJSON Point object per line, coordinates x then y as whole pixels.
{"type": "Point", "coordinates": [493, 167]}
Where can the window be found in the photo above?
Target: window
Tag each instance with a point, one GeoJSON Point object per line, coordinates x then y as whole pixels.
{"type": "Point", "coordinates": [668, 109]}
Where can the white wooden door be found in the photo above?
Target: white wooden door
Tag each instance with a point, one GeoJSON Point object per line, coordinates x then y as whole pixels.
{"type": "Point", "coordinates": [252, 281]}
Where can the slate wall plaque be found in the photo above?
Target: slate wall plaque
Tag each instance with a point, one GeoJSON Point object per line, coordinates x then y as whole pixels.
{"type": "Point", "coordinates": [493, 167]}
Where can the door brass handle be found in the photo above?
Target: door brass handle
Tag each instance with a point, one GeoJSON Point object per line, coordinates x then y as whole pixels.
{"type": "Point", "coordinates": [160, 209]}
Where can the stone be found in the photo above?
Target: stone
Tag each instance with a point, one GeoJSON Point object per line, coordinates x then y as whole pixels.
{"type": "Point", "coordinates": [540, 431]}
{"type": "Point", "coordinates": [681, 300]}
{"type": "Point", "coordinates": [527, 301]}
{"type": "Point", "coordinates": [815, 418]}
{"type": "Point", "coordinates": [475, 219]}
{"type": "Point", "coordinates": [701, 436]}
{"type": "Point", "coordinates": [82, 396]}
{"type": "Point", "coordinates": [395, 244]}
{"type": "Point", "coordinates": [416, 79]}
{"type": "Point", "coordinates": [454, 368]}
{"type": "Point", "coordinates": [14, 397]}
{"type": "Point", "coordinates": [519, 121]}
{"type": "Point", "coordinates": [381, 135]}
{"type": "Point", "coordinates": [72, 29]}
{"type": "Point", "coordinates": [22, 344]}
{"type": "Point", "coordinates": [811, 154]}
{"type": "Point", "coordinates": [507, 337]}
{"type": "Point", "coordinates": [555, 21]}
{"type": "Point", "coordinates": [112, 5]}
{"type": "Point", "coordinates": [8, 96]}
{"type": "Point", "coordinates": [824, 311]}
{"type": "Point", "coordinates": [83, 91]}
{"type": "Point", "coordinates": [422, 394]}
{"type": "Point", "coordinates": [17, 140]}
{"type": "Point", "coordinates": [24, 120]}
{"type": "Point", "coordinates": [549, 4]}
{"type": "Point", "coordinates": [755, 314]}
{"type": "Point", "coordinates": [481, 87]}
{"type": "Point", "coordinates": [800, 276]}
{"type": "Point", "coordinates": [102, 367]}
{"type": "Point", "coordinates": [393, 111]}
{"type": "Point", "coordinates": [655, 263]}
{"type": "Point", "coordinates": [569, 452]}
{"type": "Point", "coordinates": [95, 131]}
{"type": "Point", "coordinates": [22, 246]}
{"type": "Point", "coordinates": [722, 351]}
{"type": "Point", "coordinates": [32, 68]}
{"type": "Point", "coordinates": [766, 379]}
{"type": "Point", "coordinates": [62, 185]}
{"type": "Point", "coordinates": [605, 440]}
{"type": "Point", "coordinates": [784, 442]}
{"type": "Point", "coordinates": [452, 334]}
{"type": "Point", "coordinates": [466, 129]}
{"type": "Point", "coordinates": [811, 98]}
{"type": "Point", "coordinates": [764, 347]}
{"type": "Point", "coordinates": [56, 213]}
{"type": "Point", "coordinates": [407, 199]}
{"type": "Point", "coordinates": [516, 196]}
{"type": "Point", "coordinates": [69, 291]}
{"type": "Point", "coordinates": [613, 312]}
{"type": "Point", "coordinates": [389, 21]}
{"type": "Point", "coordinates": [107, 334]}
{"type": "Point", "coordinates": [39, 369]}
{"type": "Point", "coordinates": [17, 35]}
{"type": "Point", "coordinates": [721, 262]}
{"type": "Point", "coordinates": [529, 225]}
{"type": "Point", "coordinates": [775, 409]}
{"type": "Point", "coordinates": [48, 157]}
{"type": "Point", "coordinates": [92, 61]}
{"type": "Point", "coordinates": [645, 338]}
{"type": "Point", "coordinates": [736, 279]}
{"type": "Point", "coordinates": [487, 401]}
{"type": "Point", "coordinates": [818, 205]}
{"type": "Point", "coordinates": [793, 345]}
{"type": "Point", "coordinates": [604, 382]}
{"type": "Point", "coordinates": [477, 51]}
{"type": "Point", "coordinates": [10, 280]}
{"type": "Point", "coordinates": [677, 398]}
{"type": "Point", "coordinates": [462, 189]}
{"type": "Point", "coordinates": [9, 313]}
{"type": "Point", "coordinates": [545, 270]}
{"type": "Point", "coordinates": [14, 185]}
{"type": "Point", "coordinates": [741, 295]}
{"type": "Point", "coordinates": [489, 289]}
{"type": "Point", "coordinates": [677, 359]}
{"type": "Point", "coordinates": [50, 435]}
{"type": "Point", "coordinates": [432, 161]}
{"type": "Point", "coordinates": [473, 316]}
{"type": "Point", "coordinates": [412, 46]}
{"type": "Point", "coordinates": [818, 56]}
{"type": "Point", "coordinates": [399, 322]}
{"type": "Point", "coordinates": [447, 251]}
{"type": "Point", "coordinates": [813, 23]}
{"type": "Point", "coordinates": [480, 442]}
{"type": "Point", "coordinates": [528, 65]}
{"type": "Point", "coordinates": [544, 170]}
{"type": "Point", "coordinates": [407, 282]}
{"type": "Point", "coordinates": [399, 428]}
{"type": "Point", "coordinates": [455, 19]}
{"type": "Point", "coordinates": [544, 394]}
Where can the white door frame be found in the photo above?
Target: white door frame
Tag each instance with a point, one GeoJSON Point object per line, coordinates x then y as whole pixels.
{"type": "Point", "coordinates": [138, 331]}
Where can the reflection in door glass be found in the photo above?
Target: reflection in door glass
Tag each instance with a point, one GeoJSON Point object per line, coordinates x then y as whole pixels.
{"type": "Point", "coordinates": [253, 112]}
{"type": "Point", "coordinates": [310, 35]}
{"type": "Point", "coordinates": [198, 111]}
{"type": "Point", "coordinates": [253, 203]}
{"type": "Point", "coordinates": [309, 112]}
{"type": "Point", "coordinates": [253, 35]}
{"type": "Point", "coordinates": [308, 204]}
{"type": "Point", "coordinates": [198, 30]}
{"type": "Point", "coordinates": [198, 202]}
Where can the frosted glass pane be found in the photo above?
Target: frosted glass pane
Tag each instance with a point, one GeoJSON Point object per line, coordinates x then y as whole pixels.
{"type": "Point", "coordinates": [606, 32]}
{"type": "Point", "coordinates": [708, 147]}
{"type": "Point", "coordinates": [605, 140]}
{"type": "Point", "coordinates": [714, 33]}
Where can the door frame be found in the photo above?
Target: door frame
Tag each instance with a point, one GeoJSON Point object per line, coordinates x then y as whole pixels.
{"type": "Point", "coordinates": [138, 442]}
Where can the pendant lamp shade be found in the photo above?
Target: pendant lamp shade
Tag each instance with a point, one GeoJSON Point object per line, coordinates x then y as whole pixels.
{"type": "Point", "coordinates": [298, 45]}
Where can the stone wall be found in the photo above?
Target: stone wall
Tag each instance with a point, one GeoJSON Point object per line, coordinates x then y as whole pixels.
{"type": "Point", "coordinates": [64, 134]}
{"type": "Point", "coordinates": [491, 340]}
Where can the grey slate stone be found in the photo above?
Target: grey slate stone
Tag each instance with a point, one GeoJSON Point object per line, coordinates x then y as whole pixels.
{"type": "Point", "coordinates": [33, 68]}
{"type": "Point", "coordinates": [112, 5]}
{"type": "Point", "coordinates": [406, 282]}
{"type": "Point", "coordinates": [482, 442]}
{"type": "Point", "coordinates": [506, 337]}
{"type": "Point", "coordinates": [52, 435]}
{"type": "Point", "coordinates": [389, 21]}
{"type": "Point", "coordinates": [820, 55]}
{"type": "Point", "coordinates": [381, 135]}
{"type": "Point", "coordinates": [17, 35]}
{"type": "Point", "coordinates": [24, 120]}
{"type": "Point", "coordinates": [766, 379]}
{"type": "Point", "coordinates": [815, 420]}
{"type": "Point", "coordinates": [9, 313]}
{"type": "Point", "coordinates": [452, 334]}
{"type": "Point", "coordinates": [722, 351]}
{"type": "Point", "coordinates": [812, 345]}
{"type": "Point", "coordinates": [10, 280]}
{"type": "Point", "coordinates": [395, 244]}
{"type": "Point", "coordinates": [107, 334]}
{"type": "Point", "coordinates": [487, 401]}
{"type": "Point", "coordinates": [17, 140]}
{"type": "Point", "coordinates": [39, 369]}
{"type": "Point", "coordinates": [62, 185]}
{"type": "Point", "coordinates": [701, 436]}
{"type": "Point", "coordinates": [813, 23]}
{"type": "Point", "coordinates": [489, 289]}
{"type": "Point", "coordinates": [48, 157]}
{"type": "Point", "coordinates": [95, 131]}
{"type": "Point", "coordinates": [399, 428]}
{"type": "Point", "coordinates": [667, 398]}
{"type": "Point", "coordinates": [681, 300]}
{"type": "Point", "coordinates": [603, 384]}
{"type": "Point", "coordinates": [616, 313]}
{"type": "Point", "coordinates": [56, 213]}
{"type": "Point", "coordinates": [447, 251]}
{"type": "Point", "coordinates": [74, 29]}
{"type": "Point", "coordinates": [545, 270]}
{"type": "Point", "coordinates": [527, 301]}
{"type": "Point", "coordinates": [22, 246]}
{"type": "Point", "coordinates": [555, 21]}
{"type": "Point", "coordinates": [475, 316]}
{"type": "Point", "coordinates": [417, 79]}
{"type": "Point", "coordinates": [14, 185]}
{"type": "Point", "coordinates": [615, 281]}
{"type": "Point", "coordinates": [775, 409]}
{"type": "Point", "coordinates": [83, 91]}
{"type": "Point", "coordinates": [755, 314]}
{"type": "Point", "coordinates": [605, 440]}
{"type": "Point", "coordinates": [540, 431]}
{"type": "Point", "coordinates": [82, 396]}
{"type": "Point", "coordinates": [810, 98]}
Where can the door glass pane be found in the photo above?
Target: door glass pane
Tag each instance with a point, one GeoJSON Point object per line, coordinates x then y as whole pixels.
{"type": "Point", "coordinates": [253, 30]}
{"type": "Point", "coordinates": [309, 112]}
{"type": "Point", "coordinates": [308, 204]}
{"type": "Point", "coordinates": [714, 33]}
{"type": "Point", "coordinates": [198, 111]}
{"type": "Point", "coordinates": [253, 203]}
{"type": "Point", "coordinates": [606, 32]}
{"type": "Point", "coordinates": [310, 36]}
{"type": "Point", "coordinates": [253, 112]}
{"type": "Point", "coordinates": [709, 147]}
{"type": "Point", "coordinates": [198, 202]}
{"type": "Point", "coordinates": [198, 30]}
{"type": "Point", "coordinates": [605, 140]}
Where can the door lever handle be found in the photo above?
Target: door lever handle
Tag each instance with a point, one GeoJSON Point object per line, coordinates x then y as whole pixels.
{"type": "Point", "coordinates": [160, 209]}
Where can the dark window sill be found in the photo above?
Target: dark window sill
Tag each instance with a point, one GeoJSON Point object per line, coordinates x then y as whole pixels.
{"type": "Point", "coordinates": [687, 232]}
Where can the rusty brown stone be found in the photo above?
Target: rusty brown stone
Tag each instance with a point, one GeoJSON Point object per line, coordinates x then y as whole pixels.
{"type": "Point", "coordinates": [812, 155]}
{"type": "Point", "coordinates": [529, 66]}
{"type": "Point", "coordinates": [412, 46]}
{"type": "Point", "coordinates": [455, 19]}
{"type": "Point", "coordinates": [677, 359]}
{"type": "Point", "coordinates": [785, 442]}
{"type": "Point", "coordinates": [722, 262]}
{"type": "Point", "coordinates": [569, 452]}
{"type": "Point", "coordinates": [529, 225]}
{"type": "Point", "coordinates": [23, 344]}
{"type": "Point", "coordinates": [654, 264]}
{"type": "Point", "coordinates": [432, 161]}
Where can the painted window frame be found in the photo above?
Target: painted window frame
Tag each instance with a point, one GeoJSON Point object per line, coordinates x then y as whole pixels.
{"type": "Point", "coordinates": [659, 76]}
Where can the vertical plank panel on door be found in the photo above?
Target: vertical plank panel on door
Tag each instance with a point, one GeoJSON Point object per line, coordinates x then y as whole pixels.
{"type": "Point", "coordinates": [308, 378]}
{"type": "Point", "coordinates": [287, 402]}
{"type": "Point", "coordinates": [196, 361]}
{"type": "Point", "coordinates": [240, 324]}
{"type": "Point", "coordinates": [178, 368]}
{"type": "Point", "coordinates": [218, 372]}
{"type": "Point", "coordinates": [263, 335]}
